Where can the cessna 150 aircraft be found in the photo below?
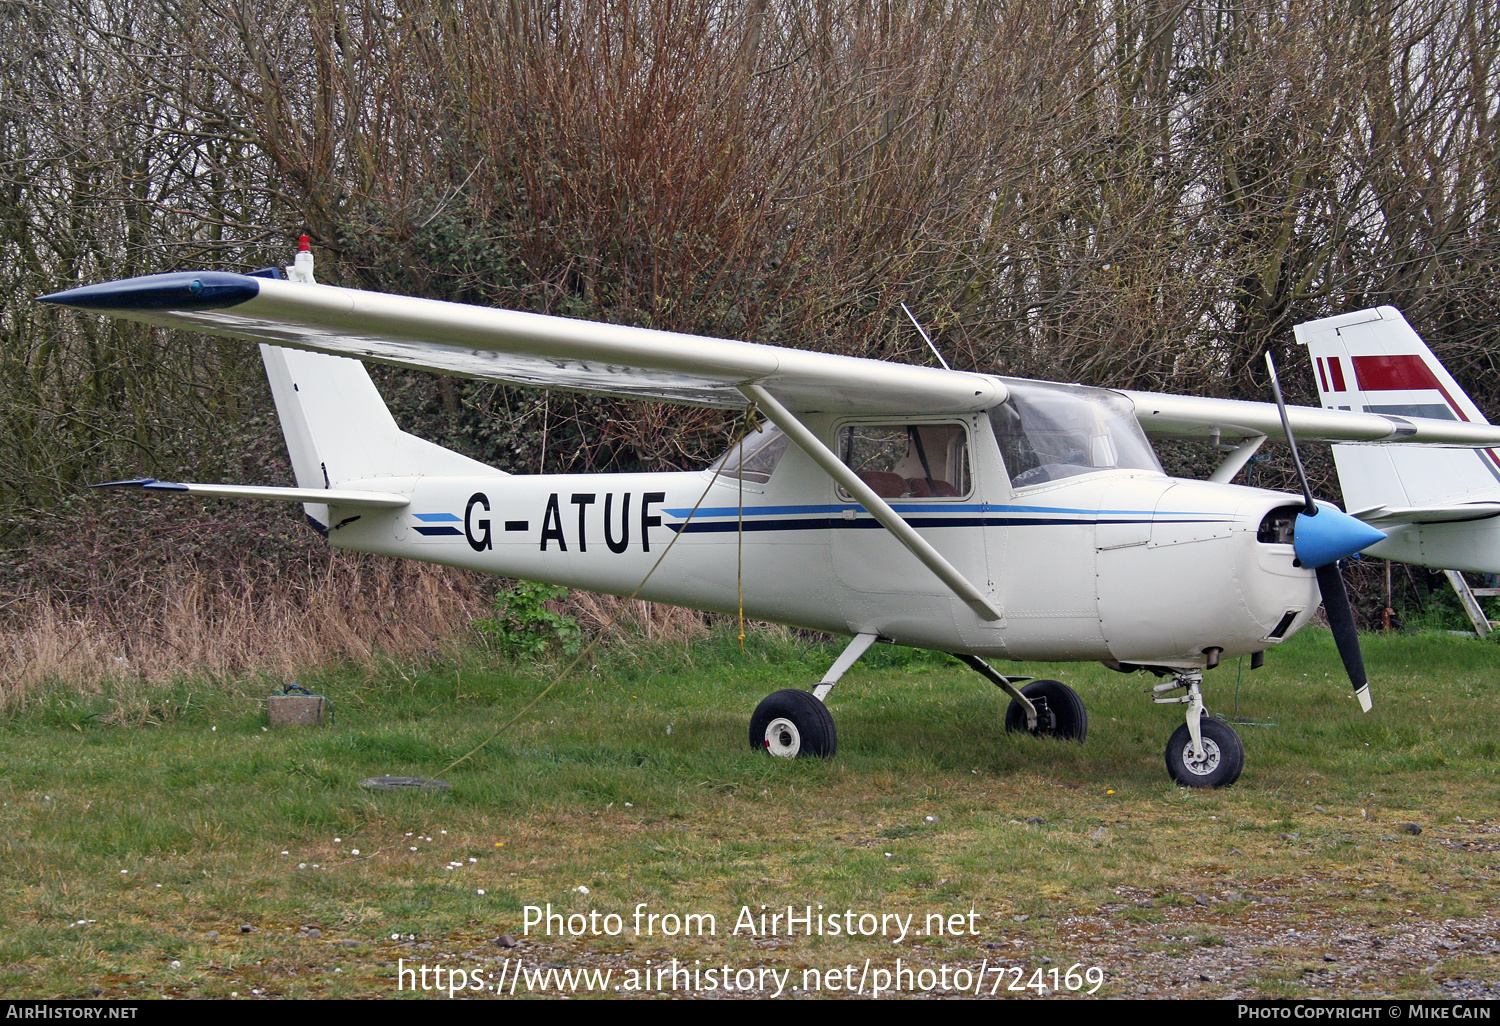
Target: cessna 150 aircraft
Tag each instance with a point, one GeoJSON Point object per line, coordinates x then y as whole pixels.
{"type": "Point", "coordinates": [1440, 508]}
{"type": "Point", "coordinates": [983, 516]}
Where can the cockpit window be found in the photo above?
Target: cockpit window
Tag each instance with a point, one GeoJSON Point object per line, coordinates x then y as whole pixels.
{"type": "Point", "coordinates": [1048, 432]}
{"type": "Point", "coordinates": [755, 459]}
{"type": "Point", "coordinates": [908, 461]}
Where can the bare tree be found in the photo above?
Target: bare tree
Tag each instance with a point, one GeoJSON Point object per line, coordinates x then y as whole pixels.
{"type": "Point", "coordinates": [1143, 194]}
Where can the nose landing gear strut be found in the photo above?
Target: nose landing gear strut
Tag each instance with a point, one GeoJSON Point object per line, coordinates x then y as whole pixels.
{"type": "Point", "coordinates": [1203, 752]}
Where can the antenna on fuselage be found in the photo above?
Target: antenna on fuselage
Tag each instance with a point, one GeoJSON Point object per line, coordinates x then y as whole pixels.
{"type": "Point", "coordinates": [916, 324]}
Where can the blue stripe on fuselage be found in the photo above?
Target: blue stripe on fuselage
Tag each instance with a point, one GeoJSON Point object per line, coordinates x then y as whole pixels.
{"type": "Point", "coordinates": [836, 517]}
{"type": "Point", "coordinates": [697, 526]}
{"type": "Point", "coordinates": [908, 507]}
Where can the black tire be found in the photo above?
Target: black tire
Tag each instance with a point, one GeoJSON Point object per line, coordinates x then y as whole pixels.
{"type": "Point", "coordinates": [793, 724]}
{"type": "Point", "coordinates": [1224, 755]}
{"type": "Point", "coordinates": [1059, 711]}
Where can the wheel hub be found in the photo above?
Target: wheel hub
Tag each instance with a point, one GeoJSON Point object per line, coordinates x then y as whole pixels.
{"type": "Point", "coordinates": [782, 738]}
{"type": "Point", "coordinates": [1206, 765]}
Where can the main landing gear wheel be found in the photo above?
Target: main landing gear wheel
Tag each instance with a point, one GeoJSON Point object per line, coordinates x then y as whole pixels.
{"type": "Point", "coordinates": [1059, 711]}
{"type": "Point", "coordinates": [791, 724]}
{"type": "Point", "coordinates": [1223, 755]}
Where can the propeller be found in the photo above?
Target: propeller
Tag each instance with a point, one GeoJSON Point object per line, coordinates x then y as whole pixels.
{"type": "Point", "coordinates": [1322, 536]}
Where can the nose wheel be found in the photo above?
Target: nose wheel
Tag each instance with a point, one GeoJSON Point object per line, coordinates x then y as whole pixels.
{"type": "Point", "coordinates": [1218, 765]}
{"type": "Point", "coordinates": [1203, 752]}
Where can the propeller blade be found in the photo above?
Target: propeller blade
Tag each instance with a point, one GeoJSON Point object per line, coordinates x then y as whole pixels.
{"type": "Point", "coordinates": [1322, 537]}
{"type": "Point", "coordinates": [1341, 622]}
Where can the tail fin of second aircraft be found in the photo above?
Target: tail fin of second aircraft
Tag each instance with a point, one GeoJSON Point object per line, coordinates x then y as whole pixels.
{"type": "Point", "coordinates": [1373, 361]}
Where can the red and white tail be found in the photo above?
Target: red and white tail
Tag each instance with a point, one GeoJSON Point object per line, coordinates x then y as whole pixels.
{"type": "Point", "coordinates": [1373, 361]}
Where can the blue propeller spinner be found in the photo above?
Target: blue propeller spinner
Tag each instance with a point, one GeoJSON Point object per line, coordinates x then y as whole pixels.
{"type": "Point", "coordinates": [1330, 536]}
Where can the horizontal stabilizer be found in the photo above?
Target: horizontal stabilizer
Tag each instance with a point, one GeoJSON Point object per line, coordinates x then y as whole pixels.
{"type": "Point", "coordinates": [1231, 420]}
{"type": "Point", "coordinates": [1392, 516]}
{"type": "Point", "coordinates": [347, 497]}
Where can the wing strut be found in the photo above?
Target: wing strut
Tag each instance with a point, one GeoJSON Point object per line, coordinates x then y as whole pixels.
{"type": "Point", "coordinates": [878, 507]}
{"type": "Point", "coordinates": [1237, 458]}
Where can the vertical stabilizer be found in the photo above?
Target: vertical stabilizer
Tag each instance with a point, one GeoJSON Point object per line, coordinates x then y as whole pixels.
{"type": "Point", "coordinates": [1373, 361]}
{"type": "Point", "coordinates": [338, 430]}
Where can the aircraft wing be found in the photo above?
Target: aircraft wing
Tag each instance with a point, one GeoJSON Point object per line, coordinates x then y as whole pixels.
{"type": "Point", "coordinates": [1231, 420]}
{"type": "Point", "coordinates": [529, 349]}
{"type": "Point", "coordinates": [643, 363]}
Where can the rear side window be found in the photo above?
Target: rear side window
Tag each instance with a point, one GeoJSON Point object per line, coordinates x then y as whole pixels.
{"type": "Point", "coordinates": [908, 461]}
{"type": "Point", "coordinates": [755, 458]}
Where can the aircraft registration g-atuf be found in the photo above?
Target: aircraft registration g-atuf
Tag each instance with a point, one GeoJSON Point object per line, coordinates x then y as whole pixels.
{"type": "Point", "coordinates": [983, 516]}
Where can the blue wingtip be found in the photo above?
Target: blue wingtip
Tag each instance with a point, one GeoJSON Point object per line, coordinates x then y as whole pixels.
{"type": "Point", "coordinates": [134, 482]}
{"type": "Point", "coordinates": [143, 482]}
{"type": "Point", "coordinates": [179, 290]}
{"type": "Point", "coordinates": [1330, 536]}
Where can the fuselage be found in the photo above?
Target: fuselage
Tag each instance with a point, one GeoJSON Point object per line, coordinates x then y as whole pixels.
{"type": "Point", "coordinates": [1117, 564]}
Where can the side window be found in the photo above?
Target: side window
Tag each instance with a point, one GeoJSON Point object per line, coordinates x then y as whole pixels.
{"type": "Point", "coordinates": [756, 457]}
{"type": "Point", "coordinates": [908, 461]}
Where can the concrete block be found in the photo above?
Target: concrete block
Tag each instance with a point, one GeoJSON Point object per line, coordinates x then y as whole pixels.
{"type": "Point", "coordinates": [296, 710]}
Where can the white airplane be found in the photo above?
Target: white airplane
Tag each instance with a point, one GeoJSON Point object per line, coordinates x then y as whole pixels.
{"type": "Point", "coordinates": [983, 516]}
{"type": "Point", "coordinates": [1439, 507]}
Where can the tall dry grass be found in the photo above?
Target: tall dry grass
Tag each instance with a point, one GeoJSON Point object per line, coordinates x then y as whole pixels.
{"type": "Point", "coordinates": [619, 618]}
{"type": "Point", "coordinates": [226, 593]}
{"type": "Point", "coordinates": [241, 621]}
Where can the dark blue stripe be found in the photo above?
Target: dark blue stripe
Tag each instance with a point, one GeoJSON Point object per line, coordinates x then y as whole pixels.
{"type": "Point", "coordinates": [867, 523]}
{"type": "Point", "coordinates": [437, 531]}
{"type": "Point", "coordinates": [926, 506]}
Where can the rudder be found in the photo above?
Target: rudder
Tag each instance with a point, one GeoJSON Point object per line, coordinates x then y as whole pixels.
{"type": "Point", "coordinates": [338, 429]}
{"type": "Point", "coordinates": [1372, 361]}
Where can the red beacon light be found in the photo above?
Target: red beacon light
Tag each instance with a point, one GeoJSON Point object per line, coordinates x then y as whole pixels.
{"type": "Point", "coordinates": [302, 265]}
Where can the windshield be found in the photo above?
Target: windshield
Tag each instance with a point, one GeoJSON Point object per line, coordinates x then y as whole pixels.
{"type": "Point", "coordinates": [1047, 432]}
{"type": "Point", "coordinates": [756, 457]}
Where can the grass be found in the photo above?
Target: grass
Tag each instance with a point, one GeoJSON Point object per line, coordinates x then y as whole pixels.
{"type": "Point", "coordinates": [634, 784]}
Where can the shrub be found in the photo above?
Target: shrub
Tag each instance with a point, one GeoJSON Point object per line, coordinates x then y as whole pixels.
{"type": "Point", "coordinates": [524, 625]}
